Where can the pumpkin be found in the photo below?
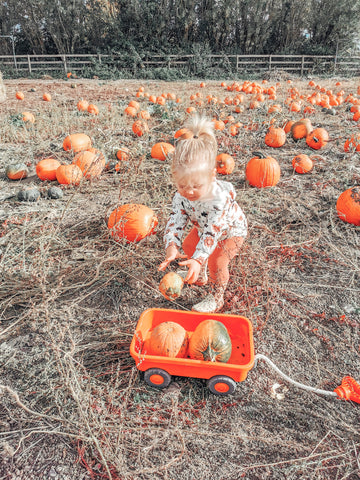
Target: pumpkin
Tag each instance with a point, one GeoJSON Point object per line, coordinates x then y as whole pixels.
{"type": "Point", "coordinates": [20, 95]}
{"type": "Point", "coordinates": [348, 205]}
{"type": "Point", "coordinates": [55, 193]}
{"type": "Point", "coordinates": [182, 131]}
{"type": "Point", "coordinates": [93, 109]}
{"type": "Point", "coordinates": [302, 163]}
{"type": "Point", "coordinates": [28, 117]}
{"type": "Point", "coordinates": [123, 154]}
{"type": "Point", "coordinates": [46, 168]}
{"type": "Point", "coordinates": [134, 104]}
{"type": "Point", "coordinates": [69, 174]}
{"type": "Point", "coordinates": [47, 97]}
{"type": "Point", "coordinates": [77, 142]}
{"type": "Point", "coordinates": [132, 222]}
{"type": "Point", "coordinates": [210, 342]}
{"type": "Point", "coordinates": [28, 195]}
{"type": "Point", "coordinates": [352, 143]}
{"type": "Point", "coordinates": [140, 127]}
{"type": "Point", "coordinates": [225, 164]}
{"type": "Point", "coordinates": [219, 125]}
{"type": "Point", "coordinates": [275, 137]}
{"type": "Point", "coordinates": [168, 339]}
{"type": "Point", "coordinates": [16, 171]}
{"type": "Point", "coordinates": [262, 171]}
{"type": "Point", "coordinates": [82, 105]}
{"type": "Point", "coordinates": [171, 285]}
{"type": "Point", "coordinates": [288, 125]}
{"type": "Point", "coordinates": [301, 129]}
{"type": "Point", "coordinates": [161, 150]}
{"type": "Point", "coordinates": [144, 114]}
{"type": "Point", "coordinates": [89, 163]}
{"type": "Point", "coordinates": [318, 138]}
{"type": "Point", "coordinates": [130, 111]}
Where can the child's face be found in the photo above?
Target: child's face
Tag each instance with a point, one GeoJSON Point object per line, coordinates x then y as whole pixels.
{"type": "Point", "coordinates": [194, 186]}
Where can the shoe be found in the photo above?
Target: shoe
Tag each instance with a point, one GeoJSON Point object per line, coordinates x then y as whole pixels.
{"type": "Point", "coordinates": [208, 305]}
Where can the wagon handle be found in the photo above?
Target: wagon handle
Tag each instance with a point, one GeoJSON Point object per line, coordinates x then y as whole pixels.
{"type": "Point", "coordinates": [348, 390]}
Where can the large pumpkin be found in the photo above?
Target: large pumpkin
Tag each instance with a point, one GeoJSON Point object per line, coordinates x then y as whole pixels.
{"type": "Point", "coordinates": [275, 137]}
{"type": "Point", "coordinates": [161, 150]}
{"type": "Point", "coordinates": [171, 285]}
{"type": "Point", "coordinates": [348, 205]}
{"type": "Point", "coordinates": [210, 342]}
{"type": "Point", "coordinates": [132, 222]}
{"type": "Point", "coordinates": [46, 168]}
{"type": "Point", "coordinates": [262, 171]}
{"type": "Point", "coordinates": [77, 142]}
{"type": "Point", "coordinates": [318, 138]}
{"type": "Point", "coordinates": [90, 163]}
{"type": "Point", "coordinates": [168, 339]}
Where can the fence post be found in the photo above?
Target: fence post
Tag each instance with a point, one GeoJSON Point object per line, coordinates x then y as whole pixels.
{"type": "Point", "coordinates": [65, 64]}
{"type": "Point", "coordinates": [99, 58]}
{"type": "Point", "coordinates": [237, 63]}
{"type": "Point", "coordinates": [29, 63]}
{"type": "Point", "coordinates": [269, 63]}
{"type": "Point", "coordinates": [302, 66]}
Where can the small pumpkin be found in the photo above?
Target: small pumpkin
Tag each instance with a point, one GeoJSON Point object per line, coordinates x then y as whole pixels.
{"type": "Point", "coordinates": [69, 174]}
{"type": "Point", "coordinates": [16, 171]}
{"type": "Point", "coordinates": [46, 169]}
{"type": "Point", "coordinates": [225, 164]}
{"type": "Point", "coordinates": [93, 109]}
{"type": "Point", "coordinates": [28, 117]}
{"type": "Point", "coordinates": [262, 171]}
{"type": "Point", "coordinates": [348, 205]}
{"type": "Point", "coordinates": [20, 95]}
{"type": "Point", "coordinates": [28, 195]}
{"type": "Point", "coordinates": [168, 339]}
{"type": "Point", "coordinates": [55, 193]}
{"type": "Point", "coordinates": [130, 111]}
{"type": "Point", "coordinates": [318, 138]}
{"type": "Point", "coordinates": [89, 163]}
{"type": "Point", "coordinates": [219, 125]}
{"type": "Point", "coordinates": [302, 163]}
{"type": "Point", "coordinates": [123, 154]}
{"type": "Point", "coordinates": [132, 222]}
{"type": "Point", "coordinates": [47, 97]}
{"type": "Point", "coordinates": [275, 137]}
{"type": "Point", "coordinates": [301, 129]}
{"type": "Point", "coordinates": [77, 142]}
{"type": "Point", "coordinates": [171, 285]}
{"type": "Point", "coordinates": [82, 105]}
{"type": "Point", "coordinates": [161, 150]}
{"type": "Point", "coordinates": [134, 104]}
{"type": "Point", "coordinates": [140, 127]}
{"type": "Point", "coordinates": [210, 342]}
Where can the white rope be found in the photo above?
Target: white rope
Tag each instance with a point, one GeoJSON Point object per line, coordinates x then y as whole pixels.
{"type": "Point", "coordinates": [259, 356]}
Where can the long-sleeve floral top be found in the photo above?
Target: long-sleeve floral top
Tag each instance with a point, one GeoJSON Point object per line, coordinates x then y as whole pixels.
{"type": "Point", "coordinates": [217, 217]}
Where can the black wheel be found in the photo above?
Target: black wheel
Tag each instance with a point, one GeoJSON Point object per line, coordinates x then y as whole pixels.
{"type": "Point", "coordinates": [221, 385]}
{"type": "Point", "coordinates": [155, 377]}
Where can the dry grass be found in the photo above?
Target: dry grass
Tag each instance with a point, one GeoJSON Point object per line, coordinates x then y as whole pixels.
{"type": "Point", "coordinates": [70, 298]}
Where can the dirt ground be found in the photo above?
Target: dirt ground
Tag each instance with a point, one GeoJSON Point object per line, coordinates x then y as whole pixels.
{"type": "Point", "coordinates": [73, 404]}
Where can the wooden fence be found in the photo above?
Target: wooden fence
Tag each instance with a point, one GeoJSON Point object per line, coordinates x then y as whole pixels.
{"type": "Point", "coordinates": [235, 64]}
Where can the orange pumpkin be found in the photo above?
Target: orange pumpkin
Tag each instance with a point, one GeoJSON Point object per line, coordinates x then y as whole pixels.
{"type": "Point", "coordinates": [262, 171]}
{"type": "Point", "coordinates": [288, 125]}
{"type": "Point", "coordinates": [301, 129]}
{"type": "Point", "coordinates": [348, 206]}
{"type": "Point", "coordinates": [161, 150]}
{"type": "Point", "coordinates": [168, 339]}
{"type": "Point", "coordinates": [123, 154]}
{"type": "Point", "coordinates": [318, 138]}
{"type": "Point", "coordinates": [82, 105]}
{"type": "Point", "coordinates": [89, 163]}
{"type": "Point", "coordinates": [47, 97]}
{"type": "Point", "coordinates": [171, 285]}
{"type": "Point", "coordinates": [210, 342]}
{"type": "Point", "coordinates": [132, 222]}
{"type": "Point", "coordinates": [28, 117]}
{"type": "Point", "coordinates": [77, 142]}
{"type": "Point", "coordinates": [140, 127]}
{"type": "Point", "coordinates": [134, 104]}
{"type": "Point", "coordinates": [183, 133]}
{"type": "Point", "coordinates": [144, 114]}
{"type": "Point", "coordinates": [219, 125]}
{"type": "Point", "coordinates": [352, 143]}
{"type": "Point", "coordinates": [69, 174]}
{"type": "Point", "coordinates": [225, 164]}
{"type": "Point", "coordinates": [16, 171]}
{"type": "Point", "coordinates": [130, 111]}
{"type": "Point", "coordinates": [275, 137]}
{"type": "Point", "coordinates": [93, 109]}
{"type": "Point", "coordinates": [20, 95]}
{"type": "Point", "coordinates": [302, 163]}
{"type": "Point", "coordinates": [46, 169]}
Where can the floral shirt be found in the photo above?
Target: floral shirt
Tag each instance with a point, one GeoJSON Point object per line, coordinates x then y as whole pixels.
{"type": "Point", "coordinates": [216, 217]}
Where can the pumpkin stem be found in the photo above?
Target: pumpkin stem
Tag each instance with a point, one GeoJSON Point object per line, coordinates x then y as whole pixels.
{"type": "Point", "coordinates": [257, 154]}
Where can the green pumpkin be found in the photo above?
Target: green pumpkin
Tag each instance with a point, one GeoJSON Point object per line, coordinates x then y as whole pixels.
{"type": "Point", "coordinates": [28, 195]}
{"type": "Point", "coordinates": [210, 342]}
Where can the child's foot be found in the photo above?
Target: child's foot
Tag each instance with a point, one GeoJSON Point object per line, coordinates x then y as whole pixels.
{"type": "Point", "coordinates": [208, 305]}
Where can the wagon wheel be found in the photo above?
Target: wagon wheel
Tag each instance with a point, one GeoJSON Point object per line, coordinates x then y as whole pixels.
{"type": "Point", "coordinates": [221, 385]}
{"type": "Point", "coordinates": [155, 377]}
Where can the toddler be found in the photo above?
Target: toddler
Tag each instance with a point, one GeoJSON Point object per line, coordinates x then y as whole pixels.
{"type": "Point", "coordinates": [218, 224]}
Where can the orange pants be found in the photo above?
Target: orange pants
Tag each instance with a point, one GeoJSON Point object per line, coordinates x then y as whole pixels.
{"type": "Point", "coordinates": [219, 260]}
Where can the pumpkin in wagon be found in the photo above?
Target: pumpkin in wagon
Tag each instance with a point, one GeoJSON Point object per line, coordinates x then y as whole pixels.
{"type": "Point", "coordinates": [210, 342]}
{"type": "Point", "coordinates": [262, 171]}
{"type": "Point", "coordinates": [132, 222]}
{"type": "Point", "coordinates": [168, 339]}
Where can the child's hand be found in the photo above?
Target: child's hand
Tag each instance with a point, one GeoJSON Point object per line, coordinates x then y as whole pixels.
{"type": "Point", "coordinates": [172, 253]}
{"type": "Point", "coordinates": [194, 270]}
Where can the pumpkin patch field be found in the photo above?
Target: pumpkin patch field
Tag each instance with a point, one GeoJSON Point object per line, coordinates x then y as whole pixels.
{"type": "Point", "coordinates": [85, 193]}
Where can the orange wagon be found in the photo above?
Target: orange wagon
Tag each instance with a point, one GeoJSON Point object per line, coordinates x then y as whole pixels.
{"type": "Point", "coordinates": [221, 377]}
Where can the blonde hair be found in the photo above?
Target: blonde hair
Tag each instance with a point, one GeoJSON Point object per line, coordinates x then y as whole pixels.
{"type": "Point", "coordinates": [196, 149]}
